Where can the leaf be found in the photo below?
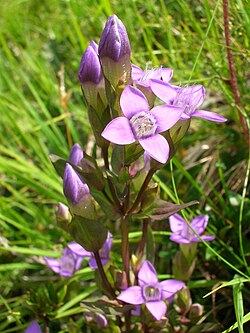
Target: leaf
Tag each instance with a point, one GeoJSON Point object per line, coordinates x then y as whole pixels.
{"type": "Point", "coordinates": [91, 234]}
{"type": "Point", "coordinates": [238, 305]}
{"type": "Point", "coordinates": [166, 209]}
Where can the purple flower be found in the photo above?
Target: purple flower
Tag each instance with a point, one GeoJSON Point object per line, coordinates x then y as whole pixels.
{"type": "Point", "coordinates": [76, 154]}
{"type": "Point", "coordinates": [142, 124]}
{"type": "Point", "coordinates": [67, 265]}
{"type": "Point", "coordinates": [90, 67]}
{"type": "Point", "coordinates": [150, 291]}
{"type": "Point", "coordinates": [143, 77]}
{"type": "Point", "coordinates": [114, 51]}
{"type": "Point", "coordinates": [91, 78]}
{"type": "Point", "coordinates": [103, 252]}
{"type": "Point", "coordinates": [189, 98]}
{"type": "Point", "coordinates": [182, 234]}
{"type": "Point", "coordinates": [74, 188]}
{"type": "Point", "coordinates": [33, 328]}
{"type": "Point", "coordinates": [114, 42]}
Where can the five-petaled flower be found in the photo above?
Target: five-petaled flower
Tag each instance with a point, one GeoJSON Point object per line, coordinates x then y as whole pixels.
{"type": "Point", "coordinates": [142, 124]}
{"type": "Point", "coordinates": [182, 233]}
{"type": "Point", "coordinates": [150, 291]}
{"type": "Point", "coordinates": [189, 98]}
{"type": "Point", "coordinates": [103, 252]}
{"type": "Point", "coordinates": [67, 265]}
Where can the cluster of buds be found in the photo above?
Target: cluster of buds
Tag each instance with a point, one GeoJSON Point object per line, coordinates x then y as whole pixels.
{"type": "Point", "coordinates": [137, 118]}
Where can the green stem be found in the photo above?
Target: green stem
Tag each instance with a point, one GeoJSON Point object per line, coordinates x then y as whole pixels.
{"type": "Point", "coordinates": [103, 275]}
{"type": "Point", "coordinates": [142, 189]}
{"type": "Point", "coordinates": [141, 249]}
{"type": "Point", "coordinates": [125, 247]}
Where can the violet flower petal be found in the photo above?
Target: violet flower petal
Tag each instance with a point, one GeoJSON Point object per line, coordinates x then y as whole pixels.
{"type": "Point", "coordinates": [156, 146]}
{"type": "Point", "coordinates": [170, 287]}
{"type": "Point", "coordinates": [79, 250]}
{"type": "Point", "coordinates": [199, 223]}
{"type": "Point", "coordinates": [132, 295]}
{"type": "Point", "coordinates": [136, 73]}
{"type": "Point", "coordinates": [163, 90]}
{"type": "Point", "coordinates": [166, 116]}
{"type": "Point", "coordinates": [53, 264]}
{"type": "Point", "coordinates": [176, 222]}
{"type": "Point", "coordinates": [209, 115]}
{"type": "Point", "coordinates": [166, 74]}
{"type": "Point", "coordinates": [194, 94]}
{"type": "Point", "coordinates": [33, 328]}
{"type": "Point", "coordinates": [179, 239]}
{"type": "Point", "coordinates": [208, 238]}
{"type": "Point", "coordinates": [147, 274]}
{"type": "Point", "coordinates": [157, 309]}
{"type": "Point", "coordinates": [133, 101]}
{"type": "Point", "coordinates": [119, 131]}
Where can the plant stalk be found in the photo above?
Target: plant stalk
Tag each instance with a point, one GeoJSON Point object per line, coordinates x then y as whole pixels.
{"type": "Point", "coordinates": [103, 275]}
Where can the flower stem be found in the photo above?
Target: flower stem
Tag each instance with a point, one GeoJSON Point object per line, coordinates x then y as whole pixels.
{"type": "Point", "coordinates": [103, 275]}
{"type": "Point", "coordinates": [233, 81]}
{"type": "Point", "coordinates": [142, 189]}
{"type": "Point", "coordinates": [141, 249]}
{"type": "Point", "coordinates": [125, 247]}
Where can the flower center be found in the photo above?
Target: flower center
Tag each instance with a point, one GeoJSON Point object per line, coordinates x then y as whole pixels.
{"type": "Point", "coordinates": [151, 293]}
{"type": "Point", "coordinates": [143, 124]}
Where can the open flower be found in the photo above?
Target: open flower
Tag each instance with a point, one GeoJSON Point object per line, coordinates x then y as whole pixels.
{"type": "Point", "coordinates": [33, 328]}
{"type": "Point", "coordinates": [150, 291]}
{"type": "Point", "coordinates": [142, 124]}
{"type": "Point", "coordinates": [103, 252]}
{"type": "Point", "coordinates": [67, 265]}
{"type": "Point", "coordinates": [181, 232]}
{"type": "Point", "coordinates": [189, 97]}
{"type": "Point", "coordinates": [143, 77]}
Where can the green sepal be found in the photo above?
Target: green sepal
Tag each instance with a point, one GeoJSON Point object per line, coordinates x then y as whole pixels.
{"type": "Point", "coordinates": [98, 122]}
{"type": "Point", "coordinates": [91, 234]}
{"type": "Point", "coordinates": [178, 131]}
{"type": "Point", "coordinates": [133, 152]}
{"type": "Point", "coordinates": [117, 158]}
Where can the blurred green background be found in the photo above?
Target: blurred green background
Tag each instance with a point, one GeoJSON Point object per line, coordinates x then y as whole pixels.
{"type": "Point", "coordinates": [42, 112]}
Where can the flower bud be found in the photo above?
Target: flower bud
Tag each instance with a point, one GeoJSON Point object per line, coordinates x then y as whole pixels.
{"type": "Point", "coordinates": [74, 188]}
{"type": "Point", "coordinates": [114, 52]}
{"type": "Point", "coordinates": [91, 77]}
{"type": "Point", "coordinates": [76, 154]}
{"type": "Point", "coordinates": [62, 212]}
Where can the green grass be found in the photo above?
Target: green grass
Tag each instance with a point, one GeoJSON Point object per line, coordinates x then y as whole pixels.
{"type": "Point", "coordinates": [40, 38]}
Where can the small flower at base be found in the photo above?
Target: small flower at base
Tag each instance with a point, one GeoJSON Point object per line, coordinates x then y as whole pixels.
{"type": "Point", "coordinates": [103, 252]}
{"type": "Point", "coordinates": [33, 328]}
{"type": "Point", "coordinates": [67, 265]}
{"type": "Point", "coordinates": [63, 216]}
{"type": "Point", "coordinates": [96, 318]}
{"type": "Point", "coordinates": [114, 51]}
{"type": "Point", "coordinates": [150, 291]}
{"type": "Point", "coordinates": [182, 233]}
